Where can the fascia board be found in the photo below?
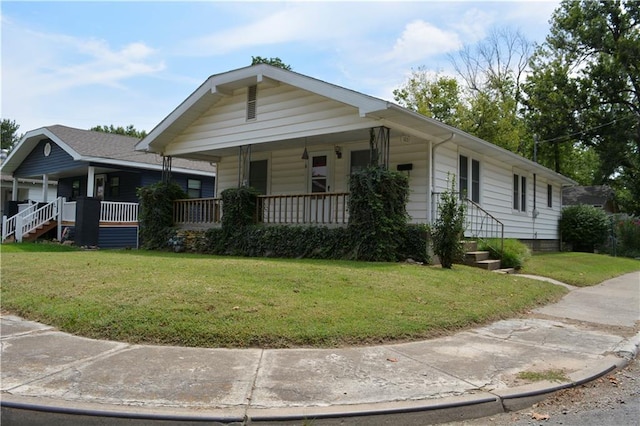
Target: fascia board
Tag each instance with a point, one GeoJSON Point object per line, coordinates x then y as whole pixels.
{"type": "Point", "coordinates": [144, 166]}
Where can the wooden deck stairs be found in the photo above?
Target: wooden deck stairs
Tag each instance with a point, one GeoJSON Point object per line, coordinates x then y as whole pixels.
{"type": "Point", "coordinates": [40, 230]}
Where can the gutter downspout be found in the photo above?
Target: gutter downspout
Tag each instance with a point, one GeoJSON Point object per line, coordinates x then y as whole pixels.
{"type": "Point", "coordinates": [432, 174]}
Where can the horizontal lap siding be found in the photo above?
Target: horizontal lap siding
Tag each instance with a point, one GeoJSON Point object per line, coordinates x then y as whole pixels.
{"type": "Point", "coordinates": [118, 237]}
{"type": "Point", "coordinates": [282, 113]}
{"type": "Point", "coordinates": [496, 195]}
{"type": "Point", "coordinates": [37, 164]}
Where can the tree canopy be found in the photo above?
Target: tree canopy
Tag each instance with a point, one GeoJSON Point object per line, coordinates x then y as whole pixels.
{"type": "Point", "coordinates": [9, 131]}
{"type": "Point", "coordinates": [130, 130]}
{"type": "Point", "coordinates": [276, 62]}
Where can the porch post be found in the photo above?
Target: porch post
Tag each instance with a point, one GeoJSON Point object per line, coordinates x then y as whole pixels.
{"type": "Point", "coordinates": [91, 178]}
{"type": "Point", "coordinates": [14, 189]}
{"type": "Point", "coordinates": [45, 187]}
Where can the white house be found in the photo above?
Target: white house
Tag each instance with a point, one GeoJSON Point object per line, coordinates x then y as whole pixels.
{"type": "Point", "coordinates": [297, 140]}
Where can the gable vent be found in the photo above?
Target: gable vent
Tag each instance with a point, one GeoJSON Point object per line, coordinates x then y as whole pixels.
{"type": "Point", "coordinates": [252, 95]}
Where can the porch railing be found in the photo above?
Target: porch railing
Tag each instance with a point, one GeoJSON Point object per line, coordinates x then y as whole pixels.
{"type": "Point", "coordinates": [9, 224]}
{"type": "Point", "coordinates": [302, 209]}
{"type": "Point", "coordinates": [291, 209]}
{"type": "Point", "coordinates": [117, 212]}
{"type": "Point", "coordinates": [27, 223]}
{"type": "Point", "coordinates": [197, 212]}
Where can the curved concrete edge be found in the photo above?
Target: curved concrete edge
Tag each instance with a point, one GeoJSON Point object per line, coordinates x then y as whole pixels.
{"type": "Point", "coordinates": [412, 412]}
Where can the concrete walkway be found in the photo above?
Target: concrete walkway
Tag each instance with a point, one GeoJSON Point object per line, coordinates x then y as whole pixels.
{"type": "Point", "coordinates": [49, 377]}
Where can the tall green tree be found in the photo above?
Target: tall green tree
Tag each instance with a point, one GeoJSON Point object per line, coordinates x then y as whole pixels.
{"type": "Point", "coordinates": [130, 130]}
{"type": "Point", "coordinates": [9, 131]}
{"type": "Point", "coordinates": [599, 44]}
{"type": "Point", "coordinates": [276, 62]}
{"type": "Point", "coordinates": [435, 96]}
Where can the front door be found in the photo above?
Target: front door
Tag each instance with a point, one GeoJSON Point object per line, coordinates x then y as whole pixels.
{"type": "Point", "coordinates": [319, 185]}
{"type": "Point", "coordinates": [100, 184]}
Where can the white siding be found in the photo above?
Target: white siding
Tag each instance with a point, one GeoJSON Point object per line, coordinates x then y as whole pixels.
{"type": "Point", "coordinates": [283, 112]}
{"type": "Point", "coordinates": [496, 194]}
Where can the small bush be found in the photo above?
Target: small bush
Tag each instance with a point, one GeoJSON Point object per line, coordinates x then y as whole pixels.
{"type": "Point", "coordinates": [513, 254]}
{"type": "Point", "coordinates": [448, 229]}
{"type": "Point", "coordinates": [415, 243]}
{"type": "Point", "coordinates": [584, 227]}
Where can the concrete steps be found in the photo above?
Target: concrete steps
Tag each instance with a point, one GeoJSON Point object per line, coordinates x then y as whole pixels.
{"type": "Point", "coordinates": [480, 259]}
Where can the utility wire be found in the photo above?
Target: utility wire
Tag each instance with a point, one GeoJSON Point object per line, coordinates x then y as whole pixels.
{"type": "Point", "coordinates": [581, 132]}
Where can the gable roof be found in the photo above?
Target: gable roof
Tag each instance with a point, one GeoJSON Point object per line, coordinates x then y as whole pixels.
{"type": "Point", "coordinates": [98, 148]}
{"type": "Point", "coordinates": [596, 195]}
{"type": "Point", "coordinates": [368, 107]}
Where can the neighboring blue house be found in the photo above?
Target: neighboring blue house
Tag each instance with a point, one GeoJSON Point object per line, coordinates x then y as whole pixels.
{"type": "Point", "coordinates": [91, 168]}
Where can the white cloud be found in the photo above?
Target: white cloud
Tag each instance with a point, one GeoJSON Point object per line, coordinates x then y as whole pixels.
{"type": "Point", "coordinates": [420, 40]}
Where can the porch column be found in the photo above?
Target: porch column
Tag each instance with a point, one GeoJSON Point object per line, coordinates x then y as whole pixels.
{"type": "Point", "coordinates": [91, 178]}
{"type": "Point", "coordinates": [14, 189]}
{"type": "Point", "coordinates": [45, 187]}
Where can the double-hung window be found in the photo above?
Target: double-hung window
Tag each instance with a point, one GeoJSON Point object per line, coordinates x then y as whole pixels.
{"type": "Point", "coordinates": [519, 192]}
{"type": "Point", "coordinates": [469, 178]}
{"type": "Point", "coordinates": [194, 188]}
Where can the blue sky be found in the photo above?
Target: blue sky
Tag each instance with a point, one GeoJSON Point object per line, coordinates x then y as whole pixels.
{"type": "Point", "coordinates": [82, 64]}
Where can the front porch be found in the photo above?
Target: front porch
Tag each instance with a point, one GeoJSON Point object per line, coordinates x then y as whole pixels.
{"type": "Point", "coordinates": [116, 222]}
{"type": "Point", "coordinates": [328, 209]}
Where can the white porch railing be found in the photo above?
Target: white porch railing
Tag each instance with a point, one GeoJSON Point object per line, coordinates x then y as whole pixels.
{"type": "Point", "coordinates": [116, 212]}
{"type": "Point", "coordinates": [35, 219]}
{"type": "Point", "coordinates": [9, 224]}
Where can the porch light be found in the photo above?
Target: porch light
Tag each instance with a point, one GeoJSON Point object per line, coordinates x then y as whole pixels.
{"type": "Point", "coordinates": [305, 154]}
{"type": "Point", "coordinates": [338, 151]}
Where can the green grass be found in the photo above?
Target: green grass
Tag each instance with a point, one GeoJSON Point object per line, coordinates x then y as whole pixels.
{"type": "Point", "coordinates": [207, 301]}
{"type": "Point", "coordinates": [548, 375]}
{"type": "Point", "coordinates": [579, 269]}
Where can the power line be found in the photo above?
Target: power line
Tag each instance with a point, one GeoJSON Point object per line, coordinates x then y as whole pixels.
{"type": "Point", "coordinates": [581, 132]}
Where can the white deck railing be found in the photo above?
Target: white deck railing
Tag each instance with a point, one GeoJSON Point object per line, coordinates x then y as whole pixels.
{"type": "Point", "coordinates": [9, 224]}
{"type": "Point", "coordinates": [116, 212]}
{"type": "Point", "coordinates": [37, 218]}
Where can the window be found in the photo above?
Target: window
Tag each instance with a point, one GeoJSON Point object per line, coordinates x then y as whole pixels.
{"type": "Point", "coordinates": [469, 188]}
{"type": "Point", "coordinates": [194, 187]}
{"type": "Point", "coordinates": [359, 160]}
{"type": "Point", "coordinates": [75, 189]}
{"type": "Point", "coordinates": [252, 96]}
{"type": "Point", "coordinates": [519, 193]}
{"type": "Point", "coordinates": [464, 177]}
{"type": "Point", "coordinates": [319, 174]}
{"type": "Point", "coordinates": [114, 184]}
{"type": "Point", "coordinates": [549, 196]}
{"type": "Point", "coordinates": [258, 175]}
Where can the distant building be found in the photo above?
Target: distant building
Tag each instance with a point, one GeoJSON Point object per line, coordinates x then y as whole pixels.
{"type": "Point", "coordinates": [601, 196]}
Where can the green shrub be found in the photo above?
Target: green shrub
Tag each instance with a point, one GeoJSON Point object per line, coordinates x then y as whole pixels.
{"type": "Point", "coordinates": [584, 227]}
{"type": "Point", "coordinates": [316, 242]}
{"type": "Point", "coordinates": [239, 207]}
{"type": "Point", "coordinates": [513, 254]}
{"type": "Point", "coordinates": [156, 213]}
{"type": "Point", "coordinates": [448, 230]}
{"type": "Point", "coordinates": [415, 242]}
{"type": "Point", "coordinates": [377, 213]}
{"type": "Point", "coordinates": [627, 236]}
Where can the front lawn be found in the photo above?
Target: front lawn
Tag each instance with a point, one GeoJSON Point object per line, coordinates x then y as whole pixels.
{"type": "Point", "coordinates": [579, 269]}
{"type": "Point", "coordinates": [207, 301]}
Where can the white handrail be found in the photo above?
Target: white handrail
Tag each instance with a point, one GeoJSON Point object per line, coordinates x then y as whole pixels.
{"type": "Point", "coordinates": [9, 224]}
{"type": "Point", "coordinates": [37, 218]}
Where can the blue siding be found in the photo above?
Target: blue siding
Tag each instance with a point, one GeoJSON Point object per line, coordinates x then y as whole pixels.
{"type": "Point", "coordinates": [37, 164]}
{"type": "Point", "coordinates": [207, 187]}
{"type": "Point", "coordinates": [118, 237]}
{"type": "Point", "coordinates": [126, 192]}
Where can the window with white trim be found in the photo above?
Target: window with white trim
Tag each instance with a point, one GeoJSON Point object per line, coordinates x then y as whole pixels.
{"type": "Point", "coordinates": [549, 196]}
{"type": "Point", "coordinates": [469, 178]}
{"type": "Point", "coordinates": [519, 192]}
